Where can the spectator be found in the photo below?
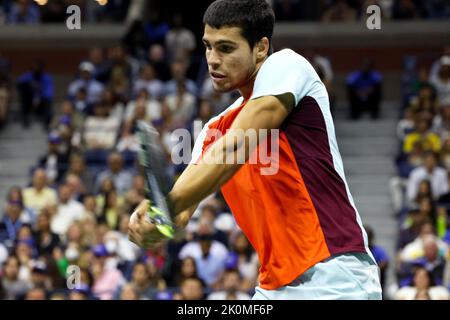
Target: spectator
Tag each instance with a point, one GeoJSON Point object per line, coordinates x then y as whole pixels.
{"type": "Point", "coordinates": [100, 130]}
{"type": "Point", "coordinates": [53, 162]}
{"type": "Point", "coordinates": [137, 193]}
{"type": "Point", "coordinates": [178, 71]}
{"type": "Point", "coordinates": [106, 280]}
{"type": "Point", "coordinates": [405, 10]}
{"type": "Point", "coordinates": [38, 293]}
{"type": "Point", "coordinates": [151, 105]}
{"type": "Point", "coordinates": [140, 280]}
{"type": "Point", "coordinates": [13, 286]}
{"type": "Point", "coordinates": [180, 41]}
{"type": "Point", "coordinates": [364, 91]}
{"type": "Point", "coordinates": [423, 135]}
{"type": "Point", "coordinates": [441, 82]}
{"type": "Point", "coordinates": [36, 91]}
{"type": "Point", "coordinates": [39, 194]}
{"type": "Point", "coordinates": [15, 196]}
{"type": "Point", "coordinates": [287, 10]}
{"type": "Point", "coordinates": [406, 124]}
{"type": "Point", "coordinates": [191, 289]}
{"type": "Point", "coordinates": [97, 58]}
{"type": "Point", "coordinates": [46, 240]}
{"type": "Point", "coordinates": [429, 170]}
{"type": "Point", "coordinates": [157, 58]}
{"type": "Point", "coordinates": [380, 255]}
{"type": "Point", "coordinates": [11, 223]}
{"type": "Point", "coordinates": [182, 105]}
{"type": "Point", "coordinates": [148, 81]}
{"type": "Point", "coordinates": [68, 211]}
{"type": "Point", "coordinates": [129, 292]}
{"type": "Point", "coordinates": [210, 255]}
{"type": "Point", "coordinates": [77, 167]}
{"type": "Point", "coordinates": [422, 282]}
{"type": "Point", "coordinates": [122, 179]}
{"type": "Point", "coordinates": [24, 12]}
{"type": "Point", "coordinates": [340, 11]}
{"type": "Point", "coordinates": [87, 82]}
{"type": "Point", "coordinates": [231, 285]}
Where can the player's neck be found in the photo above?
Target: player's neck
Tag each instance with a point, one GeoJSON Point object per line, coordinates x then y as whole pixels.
{"type": "Point", "coordinates": [247, 90]}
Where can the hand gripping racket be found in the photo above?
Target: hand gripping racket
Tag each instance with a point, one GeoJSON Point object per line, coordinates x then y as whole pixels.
{"type": "Point", "coordinates": [153, 162]}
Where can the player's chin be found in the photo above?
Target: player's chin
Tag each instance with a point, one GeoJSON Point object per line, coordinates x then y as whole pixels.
{"type": "Point", "coordinates": [221, 87]}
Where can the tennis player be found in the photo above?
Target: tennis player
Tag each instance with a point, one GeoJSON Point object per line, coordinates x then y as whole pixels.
{"type": "Point", "coordinates": [302, 220]}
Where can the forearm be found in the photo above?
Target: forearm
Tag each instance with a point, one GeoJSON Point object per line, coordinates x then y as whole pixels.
{"type": "Point", "coordinates": [208, 176]}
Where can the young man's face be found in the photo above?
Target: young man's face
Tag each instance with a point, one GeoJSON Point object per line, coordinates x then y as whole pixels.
{"type": "Point", "coordinates": [231, 61]}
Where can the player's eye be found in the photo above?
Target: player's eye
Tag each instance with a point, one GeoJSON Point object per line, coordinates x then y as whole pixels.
{"type": "Point", "coordinates": [226, 49]}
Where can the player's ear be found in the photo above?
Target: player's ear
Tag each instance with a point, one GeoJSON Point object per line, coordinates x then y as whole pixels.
{"type": "Point", "coordinates": [262, 49]}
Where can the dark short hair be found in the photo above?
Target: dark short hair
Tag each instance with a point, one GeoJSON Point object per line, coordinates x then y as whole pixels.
{"type": "Point", "coordinates": [255, 18]}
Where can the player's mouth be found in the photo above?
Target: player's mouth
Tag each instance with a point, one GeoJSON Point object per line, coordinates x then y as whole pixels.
{"type": "Point", "coordinates": [217, 77]}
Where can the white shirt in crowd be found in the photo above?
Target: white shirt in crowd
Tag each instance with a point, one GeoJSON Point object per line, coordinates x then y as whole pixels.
{"type": "Point", "coordinates": [438, 180]}
{"type": "Point", "coordinates": [67, 213]}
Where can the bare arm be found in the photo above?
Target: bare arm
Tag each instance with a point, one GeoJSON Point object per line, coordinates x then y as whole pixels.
{"type": "Point", "coordinates": [208, 176]}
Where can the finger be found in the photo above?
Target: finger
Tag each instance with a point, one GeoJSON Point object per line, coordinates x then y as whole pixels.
{"type": "Point", "coordinates": [142, 208]}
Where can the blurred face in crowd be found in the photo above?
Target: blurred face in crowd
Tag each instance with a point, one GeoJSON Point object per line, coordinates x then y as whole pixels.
{"type": "Point", "coordinates": [39, 179]}
{"type": "Point", "coordinates": [76, 295]}
{"type": "Point", "coordinates": [241, 243]}
{"type": "Point", "coordinates": [15, 194]}
{"type": "Point", "coordinates": [156, 53]}
{"type": "Point", "coordinates": [11, 268]}
{"type": "Point", "coordinates": [107, 185]}
{"type": "Point", "coordinates": [231, 62]}
{"type": "Point", "coordinates": [115, 162]}
{"type": "Point", "coordinates": [13, 211]}
{"type": "Point", "coordinates": [140, 274]}
{"type": "Point", "coordinates": [430, 249]}
{"type": "Point", "coordinates": [147, 72]}
{"type": "Point", "coordinates": [90, 204]}
{"type": "Point", "coordinates": [231, 281]}
{"type": "Point", "coordinates": [188, 267]}
{"type": "Point", "coordinates": [192, 289]}
{"type": "Point", "coordinates": [128, 293]}
{"type": "Point", "coordinates": [25, 233]}
{"type": "Point", "coordinates": [74, 183]}
{"type": "Point", "coordinates": [140, 111]}
{"type": "Point", "coordinates": [421, 279]}
{"type": "Point", "coordinates": [179, 70]}
{"type": "Point", "coordinates": [43, 222]}
{"type": "Point", "coordinates": [77, 164]}
{"type": "Point", "coordinates": [430, 161]}
{"type": "Point", "coordinates": [64, 193]}
{"type": "Point", "coordinates": [35, 294]}
{"type": "Point", "coordinates": [96, 55]}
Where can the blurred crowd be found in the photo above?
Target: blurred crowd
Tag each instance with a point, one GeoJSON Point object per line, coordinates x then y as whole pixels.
{"type": "Point", "coordinates": [420, 191]}
{"type": "Point", "coordinates": [113, 11]}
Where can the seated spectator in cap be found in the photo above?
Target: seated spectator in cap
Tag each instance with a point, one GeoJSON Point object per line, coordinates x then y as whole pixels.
{"type": "Point", "coordinates": [429, 141]}
{"type": "Point", "coordinates": [100, 130]}
{"type": "Point", "coordinates": [423, 281]}
{"type": "Point", "coordinates": [24, 12]}
{"type": "Point", "coordinates": [191, 289]}
{"type": "Point", "coordinates": [54, 162]}
{"type": "Point", "coordinates": [94, 89]}
{"type": "Point", "coordinates": [364, 91]}
{"type": "Point", "coordinates": [15, 195]}
{"type": "Point", "coordinates": [68, 211]}
{"type": "Point", "coordinates": [231, 284]}
{"type": "Point", "coordinates": [121, 177]}
{"type": "Point", "coordinates": [210, 255]}
{"type": "Point", "coordinates": [149, 82]}
{"type": "Point", "coordinates": [431, 171]}
{"type": "Point", "coordinates": [441, 81]}
{"type": "Point", "coordinates": [39, 194]}
{"type": "Point", "coordinates": [106, 280]}
{"type": "Point", "coordinates": [14, 286]}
